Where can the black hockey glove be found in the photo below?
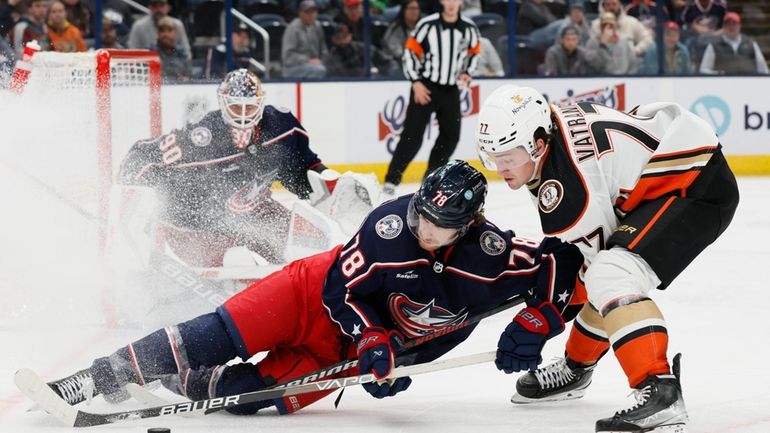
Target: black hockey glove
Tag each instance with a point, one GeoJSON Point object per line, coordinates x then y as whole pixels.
{"type": "Point", "coordinates": [522, 341]}
{"type": "Point", "coordinates": [376, 350]}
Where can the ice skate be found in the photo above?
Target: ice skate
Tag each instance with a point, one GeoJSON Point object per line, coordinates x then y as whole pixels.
{"type": "Point", "coordinates": [659, 407]}
{"type": "Point", "coordinates": [76, 388]}
{"type": "Point", "coordinates": [554, 382]}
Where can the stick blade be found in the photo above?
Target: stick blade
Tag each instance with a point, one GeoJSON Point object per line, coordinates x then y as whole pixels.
{"type": "Point", "coordinates": [35, 388]}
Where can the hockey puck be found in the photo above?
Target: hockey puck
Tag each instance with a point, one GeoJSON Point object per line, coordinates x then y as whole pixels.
{"type": "Point", "coordinates": [159, 430]}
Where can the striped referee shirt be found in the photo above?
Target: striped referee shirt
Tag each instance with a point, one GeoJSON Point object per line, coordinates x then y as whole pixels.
{"type": "Point", "coordinates": [439, 51]}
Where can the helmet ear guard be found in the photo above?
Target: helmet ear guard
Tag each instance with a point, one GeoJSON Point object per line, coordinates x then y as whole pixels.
{"type": "Point", "coordinates": [508, 119]}
{"type": "Point", "coordinates": [241, 99]}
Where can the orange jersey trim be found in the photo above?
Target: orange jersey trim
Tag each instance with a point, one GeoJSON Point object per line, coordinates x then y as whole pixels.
{"type": "Point", "coordinates": [414, 46]}
{"type": "Point", "coordinates": [651, 223]}
{"type": "Point", "coordinates": [650, 188]}
{"type": "Point", "coordinates": [475, 49]}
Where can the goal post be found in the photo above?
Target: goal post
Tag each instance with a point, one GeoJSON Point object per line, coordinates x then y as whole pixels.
{"type": "Point", "coordinates": [122, 68]}
{"type": "Point", "coordinates": [97, 105]}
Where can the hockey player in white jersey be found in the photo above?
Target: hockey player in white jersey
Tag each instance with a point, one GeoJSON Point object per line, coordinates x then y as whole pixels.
{"type": "Point", "coordinates": [641, 194]}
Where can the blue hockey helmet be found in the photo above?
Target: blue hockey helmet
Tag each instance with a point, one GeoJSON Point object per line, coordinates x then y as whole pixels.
{"type": "Point", "coordinates": [450, 197]}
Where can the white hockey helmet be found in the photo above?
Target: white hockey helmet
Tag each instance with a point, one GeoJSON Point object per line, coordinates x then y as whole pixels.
{"type": "Point", "coordinates": [241, 97]}
{"type": "Point", "coordinates": [508, 119]}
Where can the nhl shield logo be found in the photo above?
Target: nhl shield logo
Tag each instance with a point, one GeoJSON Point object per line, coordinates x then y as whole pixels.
{"type": "Point", "coordinates": [549, 195]}
{"type": "Point", "coordinates": [492, 243]}
{"type": "Point", "coordinates": [389, 227]}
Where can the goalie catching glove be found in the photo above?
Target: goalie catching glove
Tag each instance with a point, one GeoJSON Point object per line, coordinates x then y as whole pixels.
{"type": "Point", "coordinates": [522, 341]}
{"type": "Point", "coordinates": [376, 350]}
{"type": "Point", "coordinates": [322, 184]}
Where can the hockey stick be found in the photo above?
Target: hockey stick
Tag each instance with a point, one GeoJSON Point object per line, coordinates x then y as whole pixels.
{"type": "Point", "coordinates": [37, 390]}
{"type": "Point", "coordinates": [148, 398]}
{"type": "Point", "coordinates": [351, 363]}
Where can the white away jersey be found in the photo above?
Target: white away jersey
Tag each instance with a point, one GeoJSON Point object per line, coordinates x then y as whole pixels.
{"type": "Point", "coordinates": [603, 163]}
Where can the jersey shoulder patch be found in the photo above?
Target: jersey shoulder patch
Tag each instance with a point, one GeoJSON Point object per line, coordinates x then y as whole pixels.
{"type": "Point", "coordinates": [562, 195]}
{"type": "Point", "coordinates": [200, 136]}
{"type": "Point", "coordinates": [492, 243]}
{"type": "Point", "coordinates": [389, 226]}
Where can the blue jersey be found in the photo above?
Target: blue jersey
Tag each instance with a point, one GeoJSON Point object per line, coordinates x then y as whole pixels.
{"type": "Point", "coordinates": [208, 171]}
{"type": "Point", "coordinates": [383, 278]}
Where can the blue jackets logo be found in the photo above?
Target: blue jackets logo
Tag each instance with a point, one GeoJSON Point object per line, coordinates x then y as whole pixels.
{"type": "Point", "coordinates": [416, 319]}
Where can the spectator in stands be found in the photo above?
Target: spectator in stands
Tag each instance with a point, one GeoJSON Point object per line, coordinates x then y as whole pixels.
{"type": "Point", "coordinates": [489, 64]}
{"type": "Point", "coordinates": [11, 11]}
{"type": "Point", "coordinates": [352, 16]}
{"type": "Point", "coordinates": [110, 35]}
{"type": "Point", "coordinates": [303, 44]}
{"type": "Point", "coordinates": [545, 37]}
{"type": "Point", "coordinates": [65, 37]}
{"type": "Point", "coordinates": [346, 57]}
{"type": "Point", "coordinates": [79, 16]}
{"type": "Point", "coordinates": [216, 60]}
{"type": "Point", "coordinates": [677, 56]}
{"type": "Point", "coordinates": [646, 12]}
{"type": "Point", "coordinates": [31, 27]}
{"type": "Point", "coordinates": [566, 57]}
{"type": "Point", "coordinates": [175, 64]}
{"type": "Point", "coordinates": [628, 28]}
{"type": "Point", "coordinates": [533, 15]}
{"type": "Point", "coordinates": [610, 53]}
{"type": "Point", "coordinates": [577, 19]}
{"type": "Point", "coordinates": [703, 17]}
{"type": "Point", "coordinates": [119, 14]}
{"type": "Point", "coordinates": [398, 31]}
{"type": "Point", "coordinates": [733, 52]}
{"type": "Point", "coordinates": [144, 32]}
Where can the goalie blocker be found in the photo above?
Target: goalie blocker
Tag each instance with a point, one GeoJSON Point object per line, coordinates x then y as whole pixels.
{"type": "Point", "coordinates": [449, 264]}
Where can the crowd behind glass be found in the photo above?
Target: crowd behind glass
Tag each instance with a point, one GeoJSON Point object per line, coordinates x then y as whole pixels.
{"type": "Point", "coordinates": [324, 39]}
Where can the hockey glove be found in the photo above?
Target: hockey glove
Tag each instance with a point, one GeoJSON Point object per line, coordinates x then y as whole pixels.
{"type": "Point", "coordinates": [376, 350]}
{"type": "Point", "coordinates": [522, 341]}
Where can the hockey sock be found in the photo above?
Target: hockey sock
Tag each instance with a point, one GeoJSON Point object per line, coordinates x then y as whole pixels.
{"type": "Point", "coordinates": [639, 338]}
{"type": "Point", "coordinates": [199, 342]}
{"type": "Point", "coordinates": [587, 341]}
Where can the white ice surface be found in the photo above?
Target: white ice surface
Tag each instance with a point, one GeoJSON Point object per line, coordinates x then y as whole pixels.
{"type": "Point", "coordinates": [51, 320]}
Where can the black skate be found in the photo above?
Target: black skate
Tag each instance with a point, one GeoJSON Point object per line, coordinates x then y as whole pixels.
{"type": "Point", "coordinates": [76, 388]}
{"type": "Point", "coordinates": [561, 380]}
{"type": "Point", "coordinates": [659, 407]}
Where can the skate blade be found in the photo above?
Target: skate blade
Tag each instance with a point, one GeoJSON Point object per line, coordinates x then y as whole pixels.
{"type": "Point", "coordinates": [569, 395]}
{"type": "Point", "coordinates": [673, 428]}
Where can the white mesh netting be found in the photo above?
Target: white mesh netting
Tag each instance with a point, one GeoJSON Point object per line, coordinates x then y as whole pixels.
{"type": "Point", "coordinates": [56, 123]}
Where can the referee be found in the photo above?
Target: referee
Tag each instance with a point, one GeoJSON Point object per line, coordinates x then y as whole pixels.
{"type": "Point", "coordinates": [438, 57]}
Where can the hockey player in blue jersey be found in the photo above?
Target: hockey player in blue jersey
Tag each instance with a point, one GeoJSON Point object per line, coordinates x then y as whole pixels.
{"type": "Point", "coordinates": [213, 177]}
{"type": "Point", "coordinates": [418, 264]}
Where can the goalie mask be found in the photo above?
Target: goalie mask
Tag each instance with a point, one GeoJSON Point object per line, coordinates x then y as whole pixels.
{"type": "Point", "coordinates": [508, 120]}
{"type": "Point", "coordinates": [449, 199]}
{"type": "Point", "coordinates": [241, 98]}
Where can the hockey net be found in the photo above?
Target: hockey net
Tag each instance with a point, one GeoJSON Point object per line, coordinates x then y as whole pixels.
{"type": "Point", "coordinates": [79, 113]}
